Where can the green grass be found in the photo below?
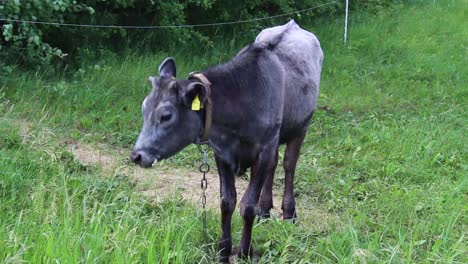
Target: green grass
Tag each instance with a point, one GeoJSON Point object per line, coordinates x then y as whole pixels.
{"type": "Point", "coordinates": [386, 155]}
{"type": "Point", "coordinates": [53, 208]}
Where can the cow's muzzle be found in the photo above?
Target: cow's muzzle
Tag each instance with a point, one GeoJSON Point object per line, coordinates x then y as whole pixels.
{"type": "Point", "coordinates": [143, 159]}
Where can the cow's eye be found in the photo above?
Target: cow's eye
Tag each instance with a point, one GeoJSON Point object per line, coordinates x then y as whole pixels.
{"type": "Point", "coordinates": [166, 117]}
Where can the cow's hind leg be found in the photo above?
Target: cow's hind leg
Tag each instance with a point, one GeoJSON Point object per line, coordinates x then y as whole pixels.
{"type": "Point", "coordinates": [266, 198]}
{"type": "Point", "coordinates": [228, 204]}
{"type": "Point", "coordinates": [263, 164]}
{"type": "Point", "coordinates": [291, 155]}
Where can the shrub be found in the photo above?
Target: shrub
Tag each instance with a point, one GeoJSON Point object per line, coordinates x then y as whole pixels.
{"type": "Point", "coordinates": [37, 44]}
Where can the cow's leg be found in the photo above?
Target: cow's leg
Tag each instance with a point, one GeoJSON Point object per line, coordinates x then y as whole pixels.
{"type": "Point", "coordinates": [266, 198]}
{"type": "Point", "coordinates": [228, 204]}
{"type": "Point", "coordinates": [291, 155]}
{"type": "Point", "coordinates": [263, 164]}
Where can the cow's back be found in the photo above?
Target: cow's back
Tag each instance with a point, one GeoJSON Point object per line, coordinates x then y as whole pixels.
{"type": "Point", "coordinates": [301, 56]}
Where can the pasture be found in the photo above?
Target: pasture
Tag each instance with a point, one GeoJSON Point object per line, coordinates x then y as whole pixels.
{"type": "Point", "coordinates": [382, 177]}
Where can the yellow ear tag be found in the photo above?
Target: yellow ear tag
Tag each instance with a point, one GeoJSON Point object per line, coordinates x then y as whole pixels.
{"type": "Point", "coordinates": [196, 104]}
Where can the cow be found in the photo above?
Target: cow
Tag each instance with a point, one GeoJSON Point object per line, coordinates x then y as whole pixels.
{"type": "Point", "coordinates": [244, 109]}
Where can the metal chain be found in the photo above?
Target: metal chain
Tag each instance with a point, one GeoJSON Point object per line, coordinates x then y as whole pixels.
{"type": "Point", "coordinates": [204, 168]}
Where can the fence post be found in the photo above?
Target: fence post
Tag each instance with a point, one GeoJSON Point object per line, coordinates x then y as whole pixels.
{"type": "Point", "coordinates": [346, 23]}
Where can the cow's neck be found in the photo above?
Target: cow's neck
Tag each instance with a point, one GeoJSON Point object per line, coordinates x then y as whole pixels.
{"type": "Point", "coordinates": [226, 138]}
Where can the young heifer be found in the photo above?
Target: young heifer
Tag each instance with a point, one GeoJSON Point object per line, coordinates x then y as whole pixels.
{"type": "Point", "coordinates": [265, 96]}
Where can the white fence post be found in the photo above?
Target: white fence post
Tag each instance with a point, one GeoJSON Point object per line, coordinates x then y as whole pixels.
{"type": "Point", "coordinates": [346, 23]}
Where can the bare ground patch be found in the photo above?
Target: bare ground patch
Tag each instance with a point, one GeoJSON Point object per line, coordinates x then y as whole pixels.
{"type": "Point", "coordinates": [159, 182]}
{"type": "Point", "coordinates": [163, 182]}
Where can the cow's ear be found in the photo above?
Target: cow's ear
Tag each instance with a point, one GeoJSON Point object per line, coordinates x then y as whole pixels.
{"type": "Point", "coordinates": [195, 95]}
{"type": "Point", "coordinates": [152, 80]}
{"type": "Point", "coordinates": [168, 68]}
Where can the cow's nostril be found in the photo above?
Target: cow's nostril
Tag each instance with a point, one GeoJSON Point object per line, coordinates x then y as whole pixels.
{"type": "Point", "coordinates": [135, 156]}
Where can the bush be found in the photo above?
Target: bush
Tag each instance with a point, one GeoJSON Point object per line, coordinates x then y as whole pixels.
{"type": "Point", "coordinates": [29, 41]}
{"type": "Point", "coordinates": [37, 44]}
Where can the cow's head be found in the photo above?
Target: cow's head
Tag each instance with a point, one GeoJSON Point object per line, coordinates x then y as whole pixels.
{"type": "Point", "coordinates": [169, 123]}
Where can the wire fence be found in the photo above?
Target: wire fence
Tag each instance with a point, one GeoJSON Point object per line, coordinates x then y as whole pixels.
{"type": "Point", "coordinates": [165, 26]}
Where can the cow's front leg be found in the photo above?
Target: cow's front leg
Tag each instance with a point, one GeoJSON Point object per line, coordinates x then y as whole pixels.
{"type": "Point", "coordinates": [228, 204]}
{"type": "Point", "coordinates": [260, 168]}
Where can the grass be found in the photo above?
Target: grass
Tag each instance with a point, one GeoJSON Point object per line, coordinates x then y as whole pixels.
{"type": "Point", "coordinates": [386, 155]}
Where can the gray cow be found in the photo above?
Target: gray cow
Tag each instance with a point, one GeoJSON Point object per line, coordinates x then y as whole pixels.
{"type": "Point", "coordinates": [265, 96]}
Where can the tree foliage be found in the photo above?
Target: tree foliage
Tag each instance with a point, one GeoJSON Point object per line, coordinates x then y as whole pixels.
{"type": "Point", "coordinates": [38, 44]}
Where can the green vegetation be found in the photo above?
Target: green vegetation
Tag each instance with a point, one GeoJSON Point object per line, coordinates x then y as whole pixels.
{"type": "Point", "coordinates": [386, 157]}
{"type": "Point", "coordinates": [42, 44]}
{"type": "Point", "coordinates": [38, 44]}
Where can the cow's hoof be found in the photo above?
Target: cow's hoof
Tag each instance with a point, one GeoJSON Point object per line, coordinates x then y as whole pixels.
{"type": "Point", "coordinates": [262, 213]}
{"type": "Point", "coordinates": [224, 250]}
{"type": "Point", "coordinates": [224, 259]}
{"type": "Point", "coordinates": [244, 253]}
{"type": "Point", "coordinates": [292, 218]}
{"type": "Point", "coordinates": [263, 217]}
{"type": "Point", "coordinates": [236, 259]}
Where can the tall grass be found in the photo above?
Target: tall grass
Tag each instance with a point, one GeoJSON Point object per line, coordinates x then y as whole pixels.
{"type": "Point", "coordinates": [55, 209]}
{"type": "Point", "coordinates": [385, 159]}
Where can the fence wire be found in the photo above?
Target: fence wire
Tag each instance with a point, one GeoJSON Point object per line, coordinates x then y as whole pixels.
{"type": "Point", "coordinates": [164, 26]}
